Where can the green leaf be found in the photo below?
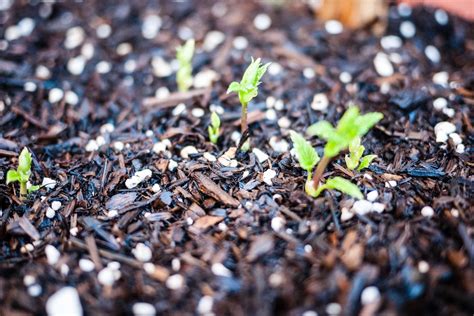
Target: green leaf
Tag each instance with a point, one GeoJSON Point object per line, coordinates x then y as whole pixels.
{"type": "Point", "coordinates": [24, 161]}
{"type": "Point", "coordinates": [365, 161]}
{"type": "Point", "coordinates": [306, 154]}
{"type": "Point", "coordinates": [233, 87]}
{"type": "Point", "coordinates": [367, 121]}
{"type": "Point", "coordinates": [340, 184]}
{"type": "Point", "coordinates": [351, 163]}
{"type": "Point", "coordinates": [322, 129]}
{"type": "Point", "coordinates": [249, 77]}
{"type": "Point", "coordinates": [12, 176]}
{"type": "Point", "coordinates": [184, 53]}
{"type": "Point", "coordinates": [215, 120]}
{"type": "Point", "coordinates": [260, 72]}
{"type": "Point", "coordinates": [247, 89]}
{"type": "Point", "coordinates": [347, 120]}
{"type": "Point", "coordinates": [335, 145]}
{"type": "Point", "coordinates": [356, 151]}
{"type": "Point", "coordinates": [33, 188]}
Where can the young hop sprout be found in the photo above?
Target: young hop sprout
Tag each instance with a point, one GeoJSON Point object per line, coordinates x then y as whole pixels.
{"type": "Point", "coordinates": [22, 173]}
{"type": "Point", "coordinates": [213, 129]}
{"type": "Point", "coordinates": [355, 159]}
{"type": "Point", "coordinates": [352, 125]}
{"type": "Point", "coordinates": [247, 89]}
{"type": "Point", "coordinates": [184, 55]}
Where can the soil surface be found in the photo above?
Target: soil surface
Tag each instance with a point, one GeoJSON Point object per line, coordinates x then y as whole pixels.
{"type": "Point", "coordinates": [90, 90]}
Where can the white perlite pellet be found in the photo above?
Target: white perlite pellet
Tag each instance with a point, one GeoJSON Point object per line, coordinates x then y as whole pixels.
{"type": "Point", "coordinates": [442, 131]}
{"type": "Point", "coordinates": [86, 265]}
{"type": "Point", "coordinates": [220, 270]}
{"type": "Point", "coordinates": [433, 54]}
{"type": "Point", "coordinates": [205, 305]}
{"type": "Point", "coordinates": [212, 40]}
{"type": "Point", "coordinates": [261, 156]}
{"type": "Point", "coordinates": [372, 195]}
{"type": "Point", "coordinates": [278, 223]}
{"type": "Point", "coordinates": [407, 29]}
{"type": "Point", "coordinates": [262, 22]}
{"type": "Point", "coordinates": [370, 295]}
{"type": "Point", "coordinates": [74, 37]}
{"type": "Point", "coordinates": [151, 26]}
{"type": "Point", "coordinates": [320, 102]}
{"type": "Point", "coordinates": [65, 299]}
{"type": "Point", "coordinates": [440, 103]}
{"type": "Point", "coordinates": [76, 65]}
{"type": "Point", "coordinates": [427, 211]}
{"type": "Point", "coordinates": [188, 150]}
{"type": "Point", "coordinates": [382, 65]}
{"type": "Point", "coordinates": [391, 42]}
{"type": "Point", "coordinates": [268, 176]}
{"type": "Point", "coordinates": [333, 27]}
{"type": "Point", "coordinates": [52, 254]}
{"type": "Point", "coordinates": [175, 282]}
{"type": "Point", "coordinates": [50, 213]}
{"type": "Point", "coordinates": [55, 95]}
{"type": "Point", "coordinates": [143, 309]}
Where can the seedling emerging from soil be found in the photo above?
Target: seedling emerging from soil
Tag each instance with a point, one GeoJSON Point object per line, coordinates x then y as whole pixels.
{"type": "Point", "coordinates": [355, 159]}
{"type": "Point", "coordinates": [308, 158]}
{"type": "Point", "coordinates": [184, 55]}
{"type": "Point", "coordinates": [213, 129]}
{"type": "Point", "coordinates": [22, 173]}
{"type": "Point", "coordinates": [247, 89]}
{"type": "Point", "coordinates": [352, 125]}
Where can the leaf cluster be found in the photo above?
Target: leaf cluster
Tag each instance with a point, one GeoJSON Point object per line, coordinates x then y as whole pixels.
{"type": "Point", "coordinates": [349, 129]}
{"type": "Point", "coordinates": [214, 128]}
{"type": "Point", "coordinates": [247, 88]}
{"type": "Point", "coordinates": [355, 159]}
{"type": "Point", "coordinates": [350, 126]}
{"type": "Point", "coordinates": [184, 55]}
{"type": "Point", "coordinates": [23, 171]}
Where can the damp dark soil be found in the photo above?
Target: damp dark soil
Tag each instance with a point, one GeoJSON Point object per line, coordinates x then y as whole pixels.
{"type": "Point", "coordinates": [255, 246]}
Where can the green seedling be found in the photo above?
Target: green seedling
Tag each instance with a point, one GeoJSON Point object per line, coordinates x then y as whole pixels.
{"type": "Point", "coordinates": [354, 159]}
{"type": "Point", "coordinates": [213, 129]}
{"type": "Point", "coordinates": [352, 125]}
{"type": "Point", "coordinates": [184, 55]}
{"type": "Point", "coordinates": [22, 173]}
{"type": "Point", "coordinates": [308, 158]}
{"type": "Point", "coordinates": [247, 89]}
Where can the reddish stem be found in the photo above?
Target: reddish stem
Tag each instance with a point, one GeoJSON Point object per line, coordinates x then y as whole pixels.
{"type": "Point", "coordinates": [318, 173]}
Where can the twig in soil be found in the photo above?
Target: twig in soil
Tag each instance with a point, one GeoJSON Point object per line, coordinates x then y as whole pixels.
{"type": "Point", "coordinates": [209, 187]}
{"type": "Point", "coordinates": [29, 118]}
{"type": "Point", "coordinates": [173, 98]}
{"type": "Point", "coordinates": [108, 254]}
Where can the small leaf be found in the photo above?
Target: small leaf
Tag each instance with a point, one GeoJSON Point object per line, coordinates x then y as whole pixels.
{"type": "Point", "coordinates": [233, 87]}
{"type": "Point", "coordinates": [345, 186]}
{"type": "Point", "coordinates": [306, 154]}
{"type": "Point", "coordinates": [12, 176]}
{"type": "Point", "coordinates": [33, 188]}
{"type": "Point", "coordinates": [250, 75]}
{"type": "Point", "coordinates": [365, 161]}
{"type": "Point", "coordinates": [365, 122]}
{"type": "Point", "coordinates": [335, 145]}
{"type": "Point", "coordinates": [351, 163]}
{"type": "Point", "coordinates": [24, 161]}
{"type": "Point", "coordinates": [215, 121]}
{"type": "Point", "coordinates": [260, 72]}
{"type": "Point", "coordinates": [322, 129]}
{"type": "Point", "coordinates": [348, 118]}
{"type": "Point", "coordinates": [184, 53]}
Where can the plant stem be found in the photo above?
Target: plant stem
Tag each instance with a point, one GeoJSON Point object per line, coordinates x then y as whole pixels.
{"type": "Point", "coordinates": [319, 171]}
{"type": "Point", "coordinates": [23, 190]}
{"type": "Point", "coordinates": [243, 120]}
